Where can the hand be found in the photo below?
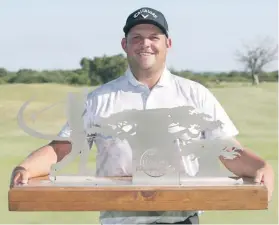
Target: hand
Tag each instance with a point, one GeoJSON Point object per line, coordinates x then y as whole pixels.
{"type": "Point", "coordinates": [265, 175]}
{"type": "Point", "coordinates": [19, 176]}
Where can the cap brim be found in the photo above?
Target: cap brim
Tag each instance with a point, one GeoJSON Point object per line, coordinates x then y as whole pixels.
{"type": "Point", "coordinates": [128, 27]}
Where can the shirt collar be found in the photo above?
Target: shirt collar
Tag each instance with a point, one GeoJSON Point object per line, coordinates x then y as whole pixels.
{"type": "Point", "coordinates": [164, 81]}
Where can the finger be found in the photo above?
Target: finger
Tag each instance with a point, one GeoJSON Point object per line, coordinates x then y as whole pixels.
{"type": "Point", "coordinates": [259, 177]}
{"type": "Point", "coordinates": [269, 187]}
{"type": "Point", "coordinates": [25, 177]}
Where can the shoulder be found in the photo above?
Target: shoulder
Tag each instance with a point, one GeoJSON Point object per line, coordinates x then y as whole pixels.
{"type": "Point", "coordinates": [107, 88]}
{"type": "Point", "coordinates": [205, 101]}
{"type": "Point", "coordinates": [192, 89]}
{"type": "Point", "coordinates": [187, 83]}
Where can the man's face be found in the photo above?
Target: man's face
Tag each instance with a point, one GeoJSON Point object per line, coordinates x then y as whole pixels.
{"type": "Point", "coordinates": [146, 47]}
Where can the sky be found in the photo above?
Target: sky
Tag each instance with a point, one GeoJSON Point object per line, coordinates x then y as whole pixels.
{"type": "Point", "coordinates": [56, 34]}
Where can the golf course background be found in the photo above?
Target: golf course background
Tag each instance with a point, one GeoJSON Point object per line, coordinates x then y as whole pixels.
{"type": "Point", "coordinates": [253, 109]}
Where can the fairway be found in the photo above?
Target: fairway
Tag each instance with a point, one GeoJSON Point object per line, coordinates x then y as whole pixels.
{"type": "Point", "coordinates": [252, 109]}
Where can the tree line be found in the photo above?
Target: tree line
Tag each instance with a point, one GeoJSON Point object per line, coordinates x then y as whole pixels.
{"type": "Point", "coordinates": [100, 70]}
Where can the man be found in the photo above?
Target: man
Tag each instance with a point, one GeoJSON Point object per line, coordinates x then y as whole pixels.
{"type": "Point", "coordinates": [147, 84]}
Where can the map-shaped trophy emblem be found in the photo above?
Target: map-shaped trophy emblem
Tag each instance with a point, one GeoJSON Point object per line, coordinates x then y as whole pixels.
{"type": "Point", "coordinates": [155, 164]}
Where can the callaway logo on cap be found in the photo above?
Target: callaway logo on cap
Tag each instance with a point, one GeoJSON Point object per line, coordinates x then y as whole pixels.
{"type": "Point", "coordinates": [146, 16]}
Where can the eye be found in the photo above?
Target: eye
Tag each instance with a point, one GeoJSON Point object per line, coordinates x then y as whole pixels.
{"type": "Point", "coordinates": [155, 38]}
{"type": "Point", "coordinates": [136, 39]}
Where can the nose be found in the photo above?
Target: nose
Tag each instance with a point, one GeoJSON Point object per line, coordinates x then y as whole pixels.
{"type": "Point", "coordinates": [145, 42]}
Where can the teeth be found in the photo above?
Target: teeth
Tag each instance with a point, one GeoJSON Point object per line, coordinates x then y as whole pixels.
{"type": "Point", "coordinates": [145, 53]}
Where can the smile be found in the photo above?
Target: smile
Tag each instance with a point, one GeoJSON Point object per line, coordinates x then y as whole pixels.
{"type": "Point", "coordinates": [145, 53]}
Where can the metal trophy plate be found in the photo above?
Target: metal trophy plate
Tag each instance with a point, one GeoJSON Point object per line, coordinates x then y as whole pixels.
{"type": "Point", "coordinates": [166, 143]}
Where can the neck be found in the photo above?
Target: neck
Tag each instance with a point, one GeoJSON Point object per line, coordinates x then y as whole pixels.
{"type": "Point", "coordinates": [148, 77]}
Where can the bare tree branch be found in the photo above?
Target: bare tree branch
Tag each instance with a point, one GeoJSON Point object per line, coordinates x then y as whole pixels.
{"type": "Point", "coordinates": [255, 58]}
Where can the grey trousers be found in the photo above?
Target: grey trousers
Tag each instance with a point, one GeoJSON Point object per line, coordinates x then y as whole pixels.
{"type": "Point", "coordinates": [190, 220]}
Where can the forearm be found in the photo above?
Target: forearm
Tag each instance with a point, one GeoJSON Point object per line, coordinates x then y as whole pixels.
{"type": "Point", "coordinates": [245, 165]}
{"type": "Point", "coordinates": [39, 162]}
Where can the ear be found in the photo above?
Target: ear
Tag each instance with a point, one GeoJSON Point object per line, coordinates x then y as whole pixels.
{"type": "Point", "coordinates": [169, 43]}
{"type": "Point", "coordinates": [124, 44]}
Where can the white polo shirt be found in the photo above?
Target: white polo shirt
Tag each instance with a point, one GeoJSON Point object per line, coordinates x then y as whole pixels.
{"type": "Point", "coordinates": [114, 157]}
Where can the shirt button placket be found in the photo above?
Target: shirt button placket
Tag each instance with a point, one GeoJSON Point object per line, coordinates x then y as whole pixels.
{"type": "Point", "coordinates": [150, 100]}
{"type": "Point", "coordinates": [145, 96]}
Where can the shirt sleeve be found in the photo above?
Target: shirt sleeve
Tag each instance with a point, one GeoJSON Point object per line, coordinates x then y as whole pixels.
{"type": "Point", "coordinates": [212, 107]}
{"type": "Point", "coordinates": [87, 119]}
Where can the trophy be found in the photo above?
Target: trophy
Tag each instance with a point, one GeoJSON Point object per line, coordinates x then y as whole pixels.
{"type": "Point", "coordinates": [175, 157]}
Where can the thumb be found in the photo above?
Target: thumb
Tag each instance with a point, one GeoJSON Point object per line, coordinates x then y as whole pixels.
{"type": "Point", "coordinates": [14, 180]}
{"type": "Point", "coordinates": [259, 177]}
{"type": "Point", "coordinates": [24, 177]}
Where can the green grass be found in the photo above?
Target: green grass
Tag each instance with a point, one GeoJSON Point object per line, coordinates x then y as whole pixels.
{"type": "Point", "coordinates": [253, 110]}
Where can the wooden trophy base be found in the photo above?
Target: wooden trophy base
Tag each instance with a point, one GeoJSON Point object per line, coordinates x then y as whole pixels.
{"type": "Point", "coordinates": [40, 194]}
